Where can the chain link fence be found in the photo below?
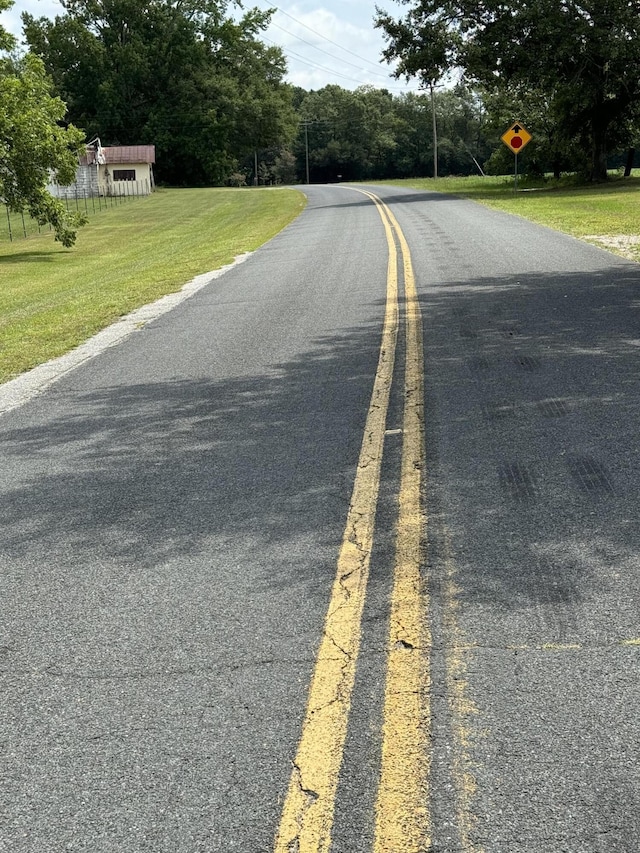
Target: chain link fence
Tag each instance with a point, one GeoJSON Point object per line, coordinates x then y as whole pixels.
{"type": "Point", "coordinates": [19, 226]}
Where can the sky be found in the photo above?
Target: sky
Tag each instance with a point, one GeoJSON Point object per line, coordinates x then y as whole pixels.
{"type": "Point", "coordinates": [325, 41]}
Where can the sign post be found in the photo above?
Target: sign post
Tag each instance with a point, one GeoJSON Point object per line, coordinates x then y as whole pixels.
{"type": "Point", "coordinates": [515, 138]}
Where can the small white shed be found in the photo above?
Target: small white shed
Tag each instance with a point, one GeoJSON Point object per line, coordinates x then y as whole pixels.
{"type": "Point", "coordinates": [119, 170]}
{"type": "Point", "coordinates": [123, 169]}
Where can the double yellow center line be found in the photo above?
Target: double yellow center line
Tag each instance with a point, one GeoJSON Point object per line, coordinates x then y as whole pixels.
{"type": "Point", "coordinates": [402, 819]}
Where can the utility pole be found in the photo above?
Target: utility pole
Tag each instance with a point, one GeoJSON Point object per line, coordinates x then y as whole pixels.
{"type": "Point", "coordinates": [306, 147]}
{"type": "Point", "coordinates": [435, 132]}
{"type": "Point", "coordinates": [255, 173]}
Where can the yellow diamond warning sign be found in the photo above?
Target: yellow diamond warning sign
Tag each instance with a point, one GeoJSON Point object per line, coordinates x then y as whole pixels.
{"type": "Point", "coordinates": [516, 137]}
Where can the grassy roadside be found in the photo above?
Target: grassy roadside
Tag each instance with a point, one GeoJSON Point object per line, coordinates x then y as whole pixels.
{"type": "Point", "coordinates": [607, 215]}
{"type": "Point", "coordinates": [52, 298]}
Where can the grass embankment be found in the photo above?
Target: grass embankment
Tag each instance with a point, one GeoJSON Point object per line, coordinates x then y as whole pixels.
{"type": "Point", "coordinates": [52, 298]}
{"type": "Point", "coordinates": [605, 214]}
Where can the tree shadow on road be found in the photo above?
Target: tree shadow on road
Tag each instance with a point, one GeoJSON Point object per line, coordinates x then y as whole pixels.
{"type": "Point", "coordinates": [146, 472]}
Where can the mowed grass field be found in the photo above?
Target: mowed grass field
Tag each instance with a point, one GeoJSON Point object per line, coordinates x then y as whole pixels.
{"type": "Point", "coordinates": [52, 298]}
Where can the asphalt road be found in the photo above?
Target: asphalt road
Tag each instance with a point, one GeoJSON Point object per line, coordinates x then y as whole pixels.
{"type": "Point", "coordinates": [171, 513]}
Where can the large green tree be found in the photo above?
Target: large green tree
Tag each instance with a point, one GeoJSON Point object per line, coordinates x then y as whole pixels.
{"type": "Point", "coordinates": [583, 55]}
{"type": "Point", "coordinates": [184, 76]}
{"type": "Point", "coordinates": [34, 143]}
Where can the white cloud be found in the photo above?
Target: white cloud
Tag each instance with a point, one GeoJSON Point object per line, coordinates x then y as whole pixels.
{"type": "Point", "coordinates": [11, 19]}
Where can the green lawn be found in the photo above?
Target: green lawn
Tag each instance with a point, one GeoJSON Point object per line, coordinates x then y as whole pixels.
{"type": "Point", "coordinates": [52, 298]}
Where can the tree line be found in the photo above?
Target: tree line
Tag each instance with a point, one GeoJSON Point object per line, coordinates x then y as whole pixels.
{"type": "Point", "coordinates": [568, 67]}
{"type": "Point", "coordinates": [202, 86]}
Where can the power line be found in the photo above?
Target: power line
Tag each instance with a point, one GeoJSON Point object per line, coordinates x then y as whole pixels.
{"type": "Point", "coordinates": [299, 58]}
{"type": "Point", "coordinates": [332, 55]}
{"type": "Point", "coordinates": [326, 38]}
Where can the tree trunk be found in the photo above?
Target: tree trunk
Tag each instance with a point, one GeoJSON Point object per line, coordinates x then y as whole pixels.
{"type": "Point", "coordinates": [598, 150]}
{"type": "Point", "coordinates": [630, 157]}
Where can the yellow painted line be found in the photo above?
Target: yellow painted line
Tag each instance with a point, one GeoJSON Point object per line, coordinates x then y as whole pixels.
{"type": "Point", "coordinates": [402, 805]}
{"type": "Point", "coordinates": [307, 815]}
